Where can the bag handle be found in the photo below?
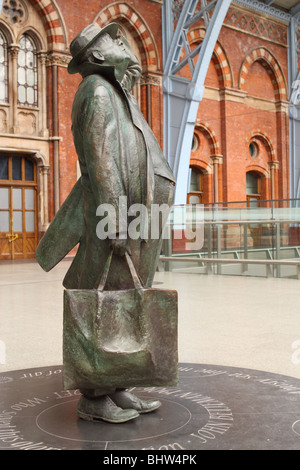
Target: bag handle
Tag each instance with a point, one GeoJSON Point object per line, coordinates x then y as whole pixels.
{"type": "Point", "coordinates": [135, 277]}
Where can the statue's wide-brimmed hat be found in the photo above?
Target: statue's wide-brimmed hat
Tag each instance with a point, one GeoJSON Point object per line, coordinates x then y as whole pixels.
{"type": "Point", "coordinates": [85, 39]}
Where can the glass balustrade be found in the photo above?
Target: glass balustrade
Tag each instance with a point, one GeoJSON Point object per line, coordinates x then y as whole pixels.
{"type": "Point", "coordinates": [229, 239]}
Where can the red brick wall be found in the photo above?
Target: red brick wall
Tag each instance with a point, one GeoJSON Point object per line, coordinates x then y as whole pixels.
{"type": "Point", "coordinates": [76, 16]}
{"type": "Point", "coordinates": [230, 117]}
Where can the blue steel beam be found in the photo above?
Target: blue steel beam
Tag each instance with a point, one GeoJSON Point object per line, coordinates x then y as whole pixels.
{"type": "Point", "coordinates": [182, 96]}
{"type": "Point", "coordinates": [295, 10]}
{"type": "Point", "coordinates": [294, 108]}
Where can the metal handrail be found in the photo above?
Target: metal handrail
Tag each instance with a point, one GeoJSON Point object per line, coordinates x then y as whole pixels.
{"type": "Point", "coordinates": [273, 223]}
{"type": "Point", "coordinates": [231, 260]}
{"type": "Point", "coordinates": [260, 201]}
{"type": "Point", "coordinates": [237, 222]}
{"type": "Point", "coordinates": [267, 262]}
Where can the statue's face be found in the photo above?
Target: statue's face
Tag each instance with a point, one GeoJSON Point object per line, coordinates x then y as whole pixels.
{"type": "Point", "coordinates": [112, 52]}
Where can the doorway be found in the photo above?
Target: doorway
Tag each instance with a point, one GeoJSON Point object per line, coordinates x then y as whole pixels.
{"type": "Point", "coordinates": [195, 194]}
{"type": "Point", "coordinates": [18, 207]}
{"type": "Point", "coordinates": [253, 185]}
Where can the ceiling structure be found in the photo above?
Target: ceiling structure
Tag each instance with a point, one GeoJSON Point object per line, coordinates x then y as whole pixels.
{"type": "Point", "coordinates": [286, 5]}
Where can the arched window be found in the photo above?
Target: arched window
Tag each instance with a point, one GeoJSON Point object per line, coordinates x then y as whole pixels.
{"type": "Point", "coordinates": [27, 72]}
{"type": "Point", "coordinates": [3, 69]}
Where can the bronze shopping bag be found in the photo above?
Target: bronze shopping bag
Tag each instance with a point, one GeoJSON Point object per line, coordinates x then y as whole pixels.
{"type": "Point", "coordinates": [120, 339]}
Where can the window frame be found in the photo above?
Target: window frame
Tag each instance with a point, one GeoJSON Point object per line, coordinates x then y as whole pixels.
{"type": "Point", "coordinates": [5, 67]}
{"type": "Point", "coordinates": [35, 88]}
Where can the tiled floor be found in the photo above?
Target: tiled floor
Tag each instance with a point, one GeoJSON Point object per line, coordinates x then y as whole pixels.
{"type": "Point", "coordinates": [223, 320]}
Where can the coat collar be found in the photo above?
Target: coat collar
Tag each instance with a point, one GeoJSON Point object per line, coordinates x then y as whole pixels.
{"type": "Point", "coordinates": [106, 71]}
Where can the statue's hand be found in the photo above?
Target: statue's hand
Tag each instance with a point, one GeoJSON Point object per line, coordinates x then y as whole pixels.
{"type": "Point", "coordinates": [120, 246]}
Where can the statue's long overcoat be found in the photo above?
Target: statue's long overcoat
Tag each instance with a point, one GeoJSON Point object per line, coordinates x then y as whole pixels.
{"type": "Point", "coordinates": [119, 156]}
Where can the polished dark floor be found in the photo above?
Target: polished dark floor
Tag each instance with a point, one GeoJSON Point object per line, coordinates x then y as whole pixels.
{"type": "Point", "coordinates": [213, 408]}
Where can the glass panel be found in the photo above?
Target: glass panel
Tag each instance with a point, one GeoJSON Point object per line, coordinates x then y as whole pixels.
{"type": "Point", "coordinates": [252, 184]}
{"type": "Point", "coordinates": [3, 168]}
{"type": "Point", "coordinates": [194, 199]}
{"type": "Point", "coordinates": [16, 168]}
{"type": "Point", "coordinates": [29, 60]}
{"type": "Point", "coordinates": [29, 199]}
{"type": "Point", "coordinates": [29, 220]}
{"type": "Point", "coordinates": [3, 68]}
{"type": "Point", "coordinates": [29, 170]}
{"type": "Point", "coordinates": [4, 198]}
{"type": "Point", "coordinates": [253, 202]}
{"type": "Point", "coordinates": [17, 198]}
{"type": "Point", "coordinates": [21, 76]}
{"type": "Point", "coordinates": [30, 95]}
{"type": "Point", "coordinates": [2, 89]}
{"type": "Point", "coordinates": [4, 221]}
{"type": "Point", "coordinates": [21, 94]}
{"type": "Point", "coordinates": [21, 58]}
{"type": "Point", "coordinates": [29, 44]}
{"type": "Point", "coordinates": [17, 222]}
{"type": "Point", "coordinates": [23, 42]}
{"type": "Point", "coordinates": [30, 77]}
{"type": "Point", "coordinates": [194, 186]}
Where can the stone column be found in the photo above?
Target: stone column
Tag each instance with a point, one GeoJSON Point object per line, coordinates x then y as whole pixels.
{"type": "Point", "coordinates": [44, 171]}
{"type": "Point", "coordinates": [273, 166]}
{"type": "Point", "coordinates": [151, 101]}
{"type": "Point", "coordinates": [56, 60]}
{"type": "Point", "coordinates": [13, 87]}
{"type": "Point", "coordinates": [42, 98]}
{"type": "Point", "coordinates": [216, 161]}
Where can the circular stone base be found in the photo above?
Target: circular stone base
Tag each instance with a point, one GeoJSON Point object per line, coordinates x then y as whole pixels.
{"type": "Point", "coordinates": [213, 408]}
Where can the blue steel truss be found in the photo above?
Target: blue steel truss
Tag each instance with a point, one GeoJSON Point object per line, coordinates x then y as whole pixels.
{"type": "Point", "coordinates": [294, 107]}
{"type": "Point", "coordinates": [181, 95]}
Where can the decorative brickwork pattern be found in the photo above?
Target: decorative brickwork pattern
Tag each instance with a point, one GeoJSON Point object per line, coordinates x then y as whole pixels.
{"type": "Point", "coordinates": [52, 23]}
{"type": "Point", "coordinates": [210, 135]}
{"type": "Point", "coordinates": [200, 165]}
{"type": "Point", "coordinates": [267, 59]}
{"type": "Point", "coordinates": [256, 25]}
{"type": "Point", "coordinates": [258, 134]}
{"type": "Point", "coordinates": [219, 58]}
{"type": "Point", "coordinates": [137, 26]}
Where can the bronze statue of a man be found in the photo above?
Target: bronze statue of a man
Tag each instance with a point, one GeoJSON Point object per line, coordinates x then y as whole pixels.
{"type": "Point", "coordinates": [120, 160]}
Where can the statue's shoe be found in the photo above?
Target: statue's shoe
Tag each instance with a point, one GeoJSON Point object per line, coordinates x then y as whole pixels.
{"type": "Point", "coordinates": [125, 399]}
{"type": "Point", "coordinates": [103, 408]}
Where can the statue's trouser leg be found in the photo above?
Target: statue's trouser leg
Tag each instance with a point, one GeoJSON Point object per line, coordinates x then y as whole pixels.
{"type": "Point", "coordinates": [95, 393]}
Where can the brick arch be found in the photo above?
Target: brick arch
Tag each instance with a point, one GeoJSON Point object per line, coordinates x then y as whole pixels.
{"type": "Point", "coordinates": [257, 169]}
{"type": "Point", "coordinates": [210, 135]}
{"type": "Point", "coordinates": [266, 58]}
{"type": "Point", "coordinates": [138, 27]}
{"type": "Point", "coordinates": [219, 57]}
{"type": "Point", "coordinates": [200, 165]}
{"type": "Point", "coordinates": [258, 134]}
{"type": "Point", "coordinates": [53, 23]}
